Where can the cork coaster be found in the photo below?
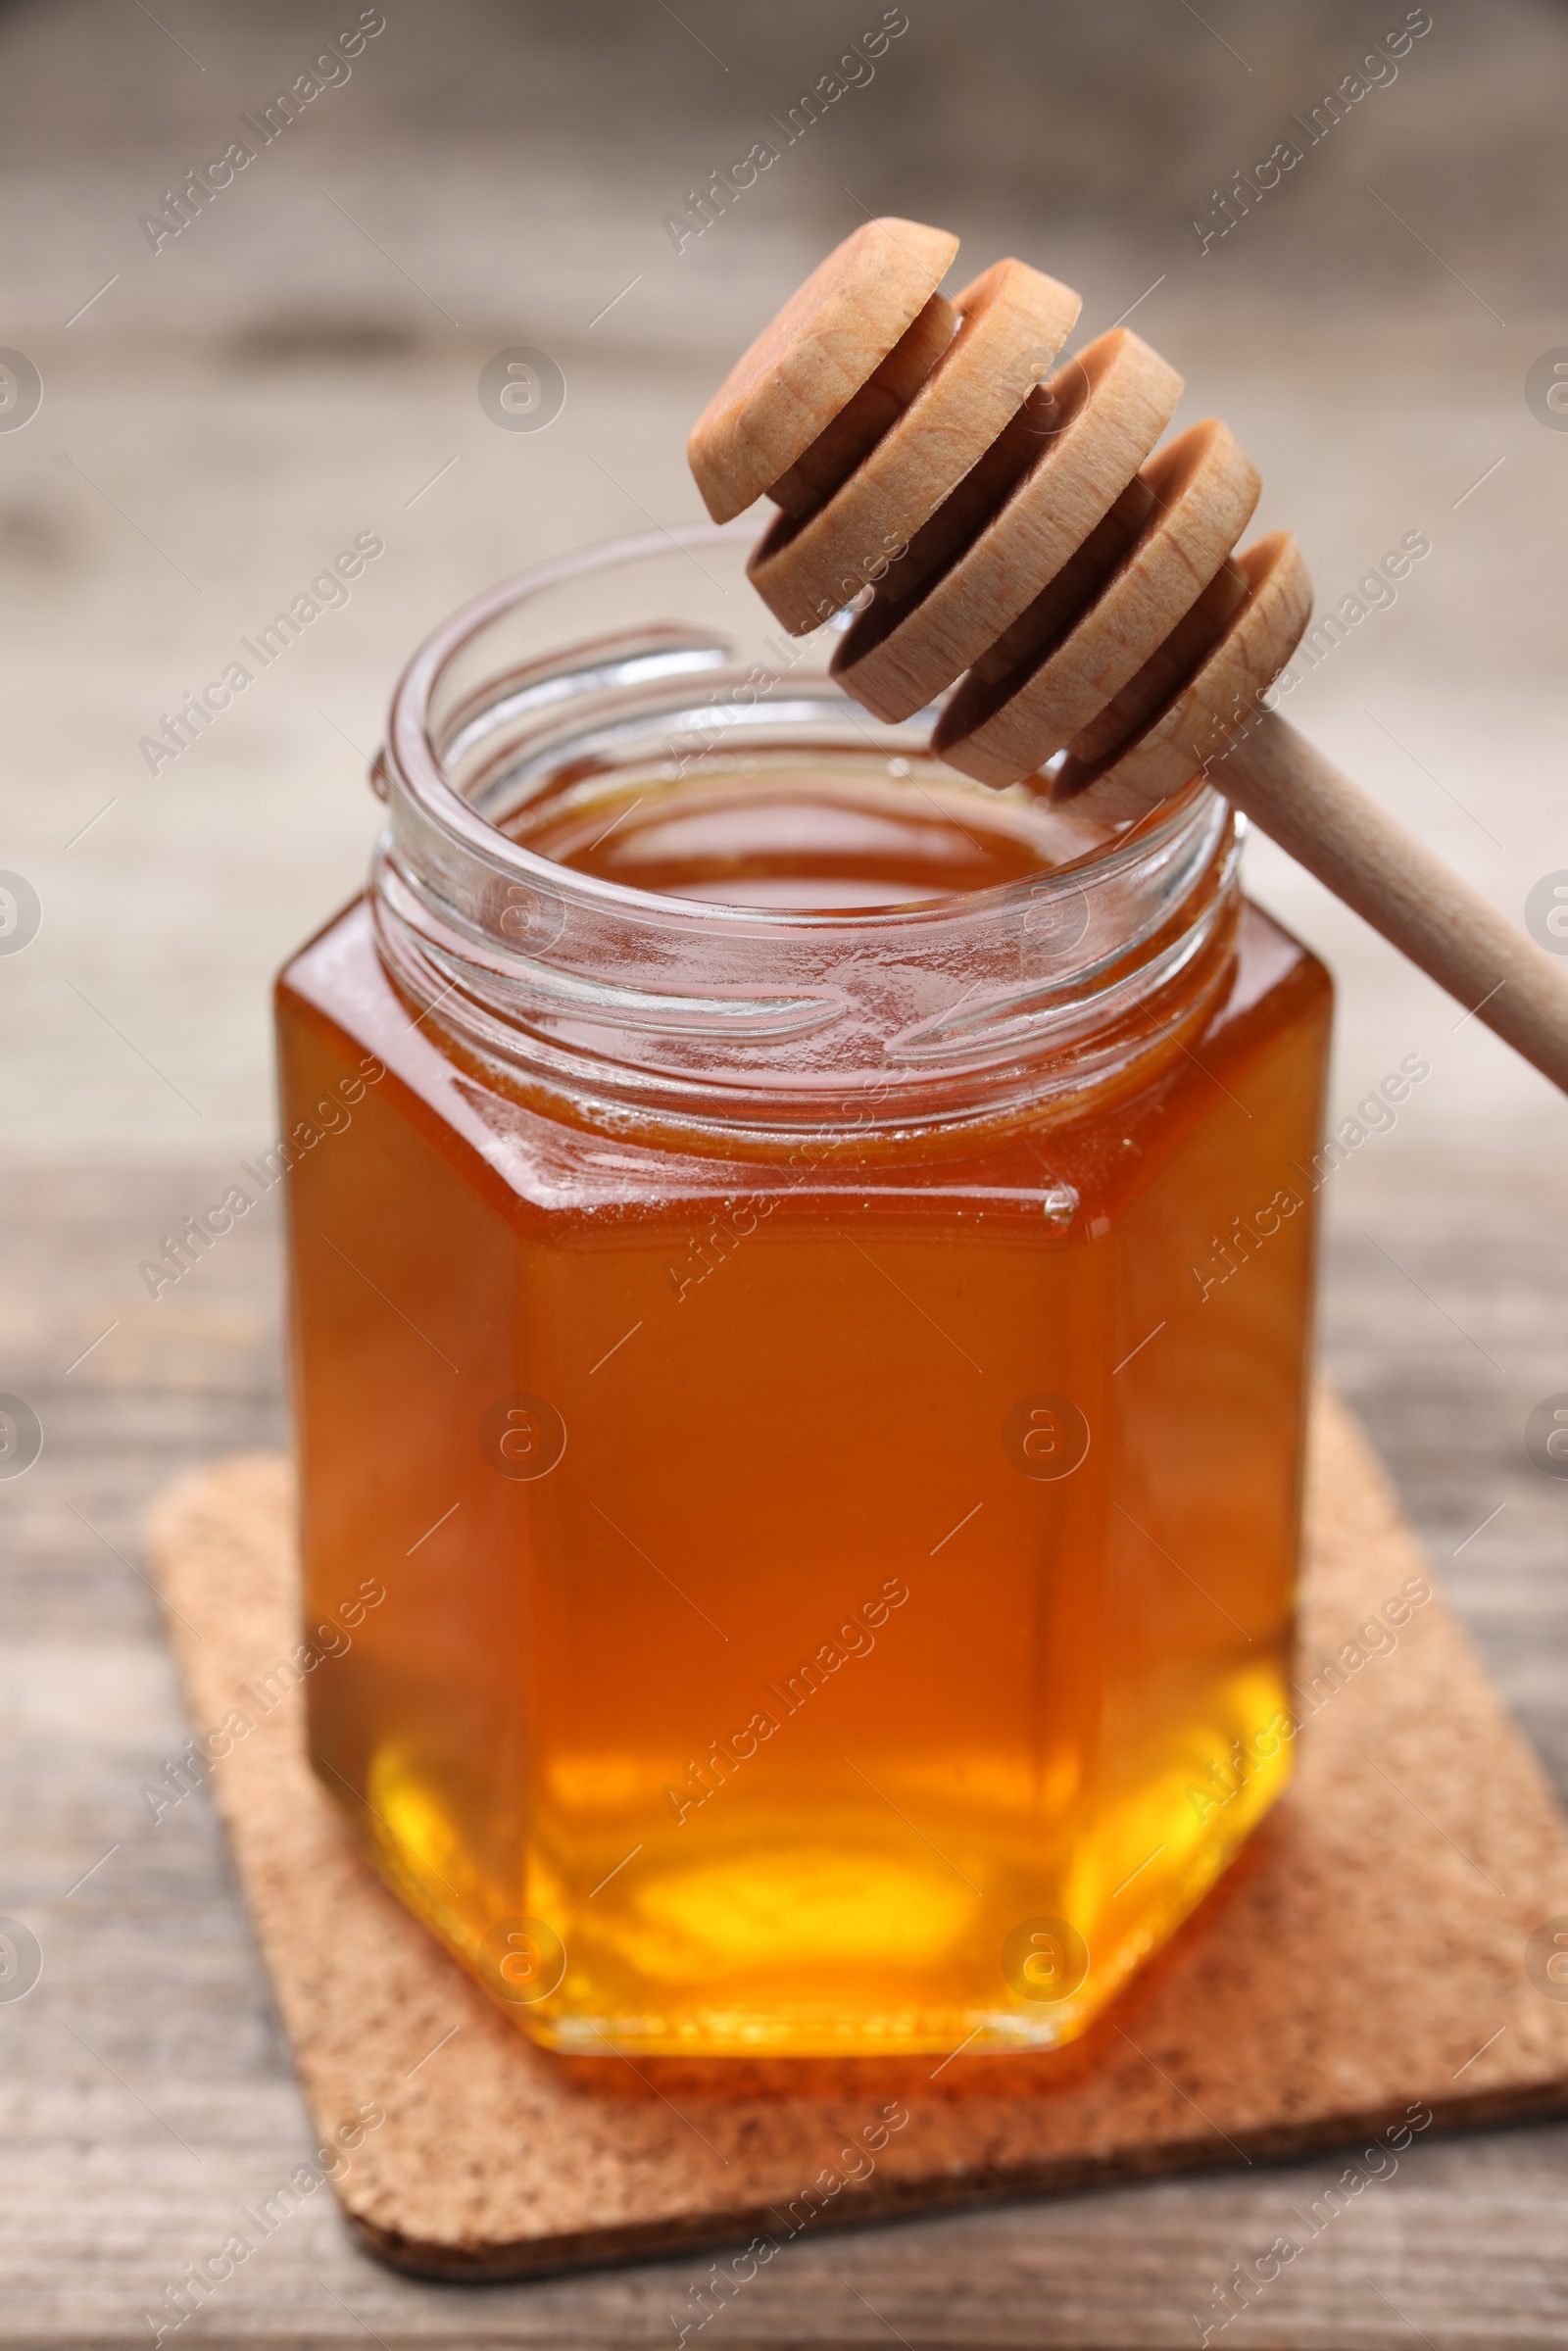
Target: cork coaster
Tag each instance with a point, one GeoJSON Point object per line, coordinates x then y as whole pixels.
{"type": "Point", "coordinates": [1360, 1970]}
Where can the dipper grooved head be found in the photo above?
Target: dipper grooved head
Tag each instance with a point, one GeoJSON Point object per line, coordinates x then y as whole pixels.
{"type": "Point", "coordinates": [1005, 526]}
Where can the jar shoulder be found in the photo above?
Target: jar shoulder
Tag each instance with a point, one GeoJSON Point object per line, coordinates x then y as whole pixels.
{"type": "Point", "coordinates": [336, 1005]}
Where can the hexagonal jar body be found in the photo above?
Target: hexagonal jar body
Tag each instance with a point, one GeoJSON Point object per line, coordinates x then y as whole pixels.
{"type": "Point", "coordinates": [800, 1297]}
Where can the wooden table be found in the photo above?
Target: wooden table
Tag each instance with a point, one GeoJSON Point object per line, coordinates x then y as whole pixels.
{"type": "Point", "coordinates": [147, 2091]}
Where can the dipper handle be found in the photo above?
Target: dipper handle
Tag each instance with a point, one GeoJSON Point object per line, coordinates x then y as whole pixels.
{"type": "Point", "coordinates": [1396, 883]}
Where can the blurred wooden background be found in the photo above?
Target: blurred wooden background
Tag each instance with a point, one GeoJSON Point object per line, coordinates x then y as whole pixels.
{"type": "Point", "coordinates": [300, 364]}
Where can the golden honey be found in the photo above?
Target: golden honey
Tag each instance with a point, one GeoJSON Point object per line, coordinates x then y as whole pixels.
{"type": "Point", "coordinates": [839, 1555]}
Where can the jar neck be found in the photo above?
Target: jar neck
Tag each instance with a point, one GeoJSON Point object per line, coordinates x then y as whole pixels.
{"type": "Point", "coordinates": [744, 1025]}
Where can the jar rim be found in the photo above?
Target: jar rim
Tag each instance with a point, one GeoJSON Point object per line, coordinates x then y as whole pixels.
{"type": "Point", "coordinates": [414, 757]}
{"type": "Point", "coordinates": [733, 1016]}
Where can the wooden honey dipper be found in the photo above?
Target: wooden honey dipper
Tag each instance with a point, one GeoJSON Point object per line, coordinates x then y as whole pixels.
{"type": "Point", "coordinates": [1011, 539]}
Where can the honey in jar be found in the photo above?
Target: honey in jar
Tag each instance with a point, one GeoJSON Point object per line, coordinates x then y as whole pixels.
{"type": "Point", "coordinates": [807, 1318]}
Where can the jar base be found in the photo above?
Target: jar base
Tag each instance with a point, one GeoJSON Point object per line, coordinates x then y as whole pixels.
{"type": "Point", "coordinates": [597, 1994]}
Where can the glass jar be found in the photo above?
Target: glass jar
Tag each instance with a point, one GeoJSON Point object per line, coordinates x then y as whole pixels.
{"type": "Point", "coordinates": [802, 1273]}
